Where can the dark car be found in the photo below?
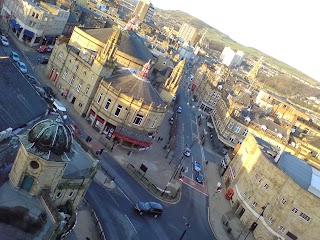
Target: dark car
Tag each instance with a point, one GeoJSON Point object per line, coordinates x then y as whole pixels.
{"type": "Point", "coordinates": [199, 177]}
{"type": "Point", "coordinates": [43, 60]}
{"type": "Point", "coordinates": [150, 208]}
{"type": "Point", "coordinates": [31, 79]}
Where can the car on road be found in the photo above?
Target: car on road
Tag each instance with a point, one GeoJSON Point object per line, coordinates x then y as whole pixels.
{"type": "Point", "coordinates": [43, 60]}
{"type": "Point", "coordinates": [22, 67]}
{"type": "Point", "coordinates": [4, 41]}
{"type": "Point", "coordinates": [179, 110]}
{"type": "Point", "coordinates": [14, 56]}
{"type": "Point", "coordinates": [187, 152]}
{"type": "Point", "coordinates": [199, 177]}
{"type": "Point", "coordinates": [45, 48]}
{"type": "Point", "coordinates": [149, 208]}
{"type": "Point", "coordinates": [197, 166]}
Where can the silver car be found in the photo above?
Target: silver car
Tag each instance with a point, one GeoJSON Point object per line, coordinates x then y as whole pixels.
{"type": "Point", "coordinates": [22, 67]}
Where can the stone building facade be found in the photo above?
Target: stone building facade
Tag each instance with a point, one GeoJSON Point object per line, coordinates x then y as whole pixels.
{"type": "Point", "coordinates": [282, 184]}
{"type": "Point", "coordinates": [46, 166]}
{"type": "Point", "coordinates": [34, 22]}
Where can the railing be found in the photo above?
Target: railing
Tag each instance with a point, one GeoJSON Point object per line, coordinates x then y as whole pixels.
{"type": "Point", "coordinates": [152, 188]}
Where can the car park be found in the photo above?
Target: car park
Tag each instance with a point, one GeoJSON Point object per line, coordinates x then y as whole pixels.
{"type": "Point", "coordinates": [14, 56]}
{"type": "Point", "coordinates": [22, 67]}
{"type": "Point", "coordinates": [187, 152]}
{"type": "Point", "coordinates": [149, 208]}
{"type": "Point", "coordinates": [4, 41]}
{"type": "Point", "coordinates": [199, 177]}
{"type": "Point", "coordinates": [197, 166]}
{"type": "Point", "coordinates": [179, 110]}
{"type": "Point", "coordinates": [43, 60]}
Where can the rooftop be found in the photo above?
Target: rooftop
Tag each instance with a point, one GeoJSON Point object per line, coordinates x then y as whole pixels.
{"type": "Point", "coordinates": [133, 85]}
{"type": "Point", "coordinates": [298, 170]}
{"type": "Point", "coordinates": [17, 98]}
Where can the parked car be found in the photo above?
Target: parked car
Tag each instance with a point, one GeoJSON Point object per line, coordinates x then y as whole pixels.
{"type": "Point", "coordinates": [197, 166]}
{"type": "Point", "coordinates": [4, 41]}
{"type": "Point", "coordinates": [43, 60]}
{"type": "Point", "coordinates": [199, 177]}
{"type": "Point", "coordinates": [187, 152]}
{"type": "Point", "coordinates": [150, 208]}
{"type": "Point", "coordinates": [22, 67]}
{"type": "Point", "coordinates": [45, 48]}
{"type": "Point", "coordinates": [14, 56]}
{"type": "Point", "coordinates": [49, 91]}
{"type": "Point", "coordinates": [179, 110]}
{"type": "Point", "coordinates": [31, 79]}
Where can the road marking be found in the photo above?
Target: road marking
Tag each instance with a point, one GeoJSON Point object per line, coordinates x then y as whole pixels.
{"type": "Point", "coordinates": [112, 198]}
{"type": "Point", "coordinates": [125, 195]}
{"type": "Point", "coordinates": [194, 183]}
{"type": "Point", "coordinates": [74, 151]}
{"type": "Point", "coordinates": [132, 224]}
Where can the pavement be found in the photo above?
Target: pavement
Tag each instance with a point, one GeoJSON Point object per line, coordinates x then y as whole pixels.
{"type": "Point", "coordinates": [159, 169]}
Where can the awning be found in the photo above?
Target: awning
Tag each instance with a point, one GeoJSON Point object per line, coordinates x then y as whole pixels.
{"type": "Point", "coordinates": [17, 26]}
{"type": "Point", "coordinates": [28, 33]}
{"type": "Point", "coordinates": [13, 22]}
{"type": "Point", "coordinates": [140, 138]}
{"type": "Point", "coordinates": [48, 38]}
{"type": "Point", "coordinates": [137, 142]}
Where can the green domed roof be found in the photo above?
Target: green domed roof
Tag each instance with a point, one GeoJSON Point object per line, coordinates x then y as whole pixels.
{"type": "Point", "coordinates": [51, 135]}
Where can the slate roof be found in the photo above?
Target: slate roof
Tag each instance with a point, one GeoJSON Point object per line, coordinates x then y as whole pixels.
{"type": "Point", "coordinates": [271, 126]}
{"type": "Point", "coordinates": [295, 168]}
{"type": "Point", "coordinates": [130, 44]}
{"type": "Point", "coordinates": [132, 85]}
{"type": "Point", "coordinates": [19, 102]}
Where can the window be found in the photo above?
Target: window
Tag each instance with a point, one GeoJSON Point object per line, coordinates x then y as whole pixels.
{"type": "Point", "coordinates": [283, 201]}
{"type": "Point", "coordinates": [245, 132]}
{"type": "Point", "coordinates": [230, 125]}
{"type": "Point", "coordinates": [231, 139]}
{"type": "Point", "coordinates": [154, 123]}
{"type": "Point", "coordinates": [245, 193]}
{"type": "Point", "coordinates": [59, 194]}
{"type": "Point", "coordinates": [79, 87]}
{"type": "Point", "coordinates": [64, 74]}
{"type": "Point", "coordinates": [71, 194]}
{"type": "Point", "coordinates": [80, 104]}
{"type": "Point", "coordinates": [271, 220]}
{"type": "Point", "coordinates": [118, 110]}
{"type": "Point", "coordinates": [138, 119]}
{"type": "Point", "coordinates": [254, 204]}
{"type": "Point", "coordinates": [237, 129]}
{"type": "Point", "coordinates": [240, 142]}
{"type": "Point", "coordinates": [294, 210]}
{"type": "Point", "coordinates": [87, 90]}
{"type": "Point", "coordinates": [256, 176]}
{"type": "Point", "coordinates": [259, 181]}
{"type": "Point", "coordinates": [281, 229]}
{"type": "Point", "coordinates": [71, 80]}
{"type": "Point", "coordinates": [99, 98]}
{"type": "Point", "coordinates": [305, 217]}
{"type": "Point", "coordinates": [106, 106]}
{"type": "Point", "coordinates": [266, 186]}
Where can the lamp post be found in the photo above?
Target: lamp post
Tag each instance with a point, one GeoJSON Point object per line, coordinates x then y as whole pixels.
{"type": "Point", "coordinates": [255, 222]}
{"type": "Point", "coordinates": [185, 230]}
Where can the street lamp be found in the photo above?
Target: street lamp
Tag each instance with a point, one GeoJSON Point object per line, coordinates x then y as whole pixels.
{"type": "Point", "coordinates": [185, 230]}
{"type": "Point", "coordinates": [255, 223]}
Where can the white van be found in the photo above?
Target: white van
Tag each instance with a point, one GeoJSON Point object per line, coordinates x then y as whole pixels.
{"type": "Point", "coordinates": [58, 107]}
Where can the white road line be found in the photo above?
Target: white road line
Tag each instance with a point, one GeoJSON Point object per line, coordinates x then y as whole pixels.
{"type": "Point", "coordinates": [132, 224]}
{"type": "Point", "coordinates": [125, 195]}
{"type": "Point", "coordinates": [195, 189]}
{"type": "Point", "coordinates": [113, 198]}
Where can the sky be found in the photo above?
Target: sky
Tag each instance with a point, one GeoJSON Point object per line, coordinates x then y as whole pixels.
{"type": "Point", "coordinates": [287, 30]}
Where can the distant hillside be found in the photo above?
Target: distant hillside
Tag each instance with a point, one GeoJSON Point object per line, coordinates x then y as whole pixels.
{"type": "Point", "coordinates": [219, 40]}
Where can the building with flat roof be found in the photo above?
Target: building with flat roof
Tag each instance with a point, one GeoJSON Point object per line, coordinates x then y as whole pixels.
{"type": "Point", "coordinates": [188, 33]}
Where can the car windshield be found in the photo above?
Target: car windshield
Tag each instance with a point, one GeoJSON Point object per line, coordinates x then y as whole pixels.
{"type": "Point", "coordinates": [200, 176]}
{"type": "Point", "coordinates": [23, 66]}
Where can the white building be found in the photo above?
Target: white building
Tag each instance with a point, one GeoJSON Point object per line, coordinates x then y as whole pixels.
{"type": "Point", "coordinates": [34, 22]}
{"type": "Point", "coordinates": [230, 58]}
